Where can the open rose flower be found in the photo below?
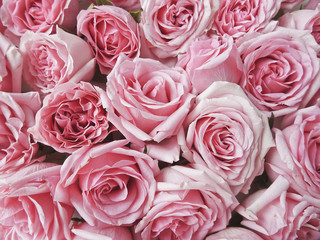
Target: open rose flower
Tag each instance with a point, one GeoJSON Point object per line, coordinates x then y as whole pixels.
{"type": "Point", "coordinates": [10, 66]}
{"type": "Point", "coordinates": [170, 26]}
{"type": "Point", "coordinates": [27, 208]}
{"type": "Point", "coordinates": [110, 31]}
{"type": "Point", "coordinates": [108, 183]}
{"type": "Point", "coordinates": [227, 134]}
{"type": "Point", "coordinates": [37, 16]}
{"type": "Point", "coordinates": [150, 100]}
{"type": "Point", "coordinates": [190, 202]}
{"type": "Point", "coordinates": [211, 58]}
{"type": "Point", "coordinates": [296, 156]}
{"type": "Point", "coordinates": [275, 213]}
{"type": "Point", "coordinates": [50, 60]}
{"type": "Point", "coordinates": [71, 117]}
{"type": "Point", "coordinates": [236, 233]}
{"type": "Point", "coordinates": [238, 17]}
{"type": "Point", "coordinates": [17, 113]}
{"type": "Point", "coordinates": [281, 69]}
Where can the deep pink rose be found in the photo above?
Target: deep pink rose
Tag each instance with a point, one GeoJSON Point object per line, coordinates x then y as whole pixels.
{"type": "Point", "coordinates": [84, 231]}
{"type": "Point", "coordinates": [234, 233]}
{"type": "Point", "coordinates": [108, 183]}
{"type": "Point", "coordinates": [190, 202]}
{"type": "Point", "coordinates": [27, 208]}
{"type": "Point", "coordinates": [238, 17]}
{"type": "Point", "coordinates": [110, 31]}
{"type": "Point", "coordinates": [275, 213]}
{"type": "Point", "coordinates": [170, 26]}
{"type": "Point", "coordinates": [50, 60]}
{"type": "Point", "coordinates": [72, 116]}
{"type": "Point", "coordinates": [296, 156]}
{"type": "Point", "coordinates": [305, 19]}
{"type": "Point", "coordinates": [281, 69]}
{"type": "Point", "coordinates": [150, 100]}
{"type": "Point", "coordinates": [227, 134]}
{"type": "Point", "coordinates": [211, 58]}
{"type": "Point", "coordinates": [38, 16]}
{"type": "Point", "coordinates": [10, 66]}
{"type": "Point", "coordinates": [17, 113]}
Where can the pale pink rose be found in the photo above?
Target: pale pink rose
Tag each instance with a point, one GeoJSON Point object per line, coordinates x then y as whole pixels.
{"type": "Point", "coordinates": [234, 233]}
{"type": "Point", "coordinates": [170, 26]}
{"type": "Point", "coordinates": [238, 17]}
{"type": "Point", "coordinates": [305, 19]}
{"type": "Point", "coordinates": [37, 16]}
{"type": "Point", "coordinates": [110, 31]}
{"type": "Point", "coordinates": [211, 58]}
{"type": "Point", "coordinates": [108, 183]}
{"type": "Point", "coordinates": [150, 99]}
{"type": "Point", "coordinates": [50, 60]}
{"type": "Point", "coordinates": [296, 156]}
{"type": "Point", "coordinates": [228, 134]}
{"type": "Point", "coordinates": [84, 231]}
{"type": "Point", "coordinates": [72, 116]}
{"type": "Point", "coordinates": [17, 113]}
{"type": "Point", "coordinates": [190, 202]}
{"type": "Point", "coordinates": [275, 213]}
{"type": "Point", "coordinates": [281, 69]}
{"type": "Point", "coordinates": [27, 208]}
{"type": "Point", "coordinates": [10, 66]}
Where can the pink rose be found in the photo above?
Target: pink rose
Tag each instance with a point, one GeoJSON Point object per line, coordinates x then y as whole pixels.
{"type": "Point", "coordinates": [27, 209]}
{"type": "Point", "coordinates": [305, 19]}
{"type": "Point", "coordinates": [227, 134]}
{"type": "Point", "coordinates": [296, 156]}
{"type": "Point", "coordinates": [281, 69]}
{"type": "Point", "coordinates": [72, 116]}
{"type": "Point", "coordinates": [234, 233]}
{"type": "Point", "coordinates": [110, 31]}
{"type": "Point", "coordinates": [38, 16]}
{"type": "Point", "coordinates": [108, 183]}
{"type": "Point", "coordinates": [10, 66]}
{"type": "Point", "coordinates": [211, 58]}
{"type": "Point", "coordinates": [84, 231]}
{"type": "Point", "coordinates": [17, 113]}
{"type": "Point", "coordinates": [275, 213]}
{"type": "Point", "coordinates": [236, 18]}
{"type": "Point", "coordinates": [190, 202]}
{"type": "Point", "coordinates": [50, 60]}
{"type": "Point", "coordinates": [150, 100]}
{"type": "Point", "coordinates": [170, 26]}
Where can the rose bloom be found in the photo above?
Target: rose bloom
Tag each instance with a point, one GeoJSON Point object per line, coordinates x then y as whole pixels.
{"type": "Point", "coordinates": [150, 99]}
{"type": "Point", "coordinates": [227, 134]}
{"type": "Point", "coordinates": [108, 183]}
{"type": "Point", "coordinates": [234, 233]}
{"type": "Point", "coordinates": [37, 16]}
{"type": "Point", "coordinates": [296, 156]}
{"type": "Point", "coordinates": [110, 31]}
{"type": "Point", "coordinates": [238, 17]}
{"type": "Point", "coordinates": [281, 69]}
{"type": "Point", "coordinates": [190, 202]}
{"type": "Point", "coordinates": [17, 112]}
{"type": "Point", "coordinates": [305, 19]}
{"type": "Point", "coordinates": [275, 213]}
{"type": "Point", "coordinates": [28, 210]}
{"type": "Point", "coordinates": [10, 66]}
{"type": "Point", "coordinates": [50, 60]}
{"type": "Point", "coordinates": [84, 231]}
{"type": "Point", "coordinates": [72, 116]}
{"type": "Point", "coordinates": [211, 58]}
{"type": "Point", "coordinates": [170, 26]}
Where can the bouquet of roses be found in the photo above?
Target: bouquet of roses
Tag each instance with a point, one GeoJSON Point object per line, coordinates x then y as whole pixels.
{"type": "Point", "coordinates": [160, 119]}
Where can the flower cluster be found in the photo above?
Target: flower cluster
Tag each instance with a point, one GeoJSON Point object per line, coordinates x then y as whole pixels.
{"type": "Point", "coordinates": [160, 119]}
